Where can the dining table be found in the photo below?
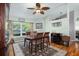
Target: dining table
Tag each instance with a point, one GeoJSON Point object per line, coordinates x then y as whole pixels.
{"type": "Point", "coordinates": [31, 39]}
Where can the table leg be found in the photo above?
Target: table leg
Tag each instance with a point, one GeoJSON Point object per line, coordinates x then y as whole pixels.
{"type": "Point", "coordinates": [43, 44]}
{"type": "Point", "coordinates": [47, 42]}
{"type": "Point", "coordinates": [36, 48]}
{"type": "Point", "coordinates": [24, 42]}
{"type": "Point", "coordinates": [31, 48]}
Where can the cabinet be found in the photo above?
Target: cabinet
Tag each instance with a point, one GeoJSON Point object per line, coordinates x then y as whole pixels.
{"type": "Point", "coordinates": [66, 40]}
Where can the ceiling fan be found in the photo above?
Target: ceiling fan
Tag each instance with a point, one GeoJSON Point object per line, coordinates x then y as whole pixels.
{"type": "Point", "coordinates": [39, 9]}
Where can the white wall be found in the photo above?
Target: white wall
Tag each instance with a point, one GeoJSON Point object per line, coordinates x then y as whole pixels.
{"type": "Point", "coordinates": [76, 22]}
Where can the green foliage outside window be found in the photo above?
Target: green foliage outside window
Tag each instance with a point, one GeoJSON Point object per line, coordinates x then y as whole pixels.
{"type": "Point", "coordinates": [26, 27]}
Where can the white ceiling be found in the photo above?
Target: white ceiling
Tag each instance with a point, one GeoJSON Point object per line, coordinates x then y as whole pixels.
{"type": "Point", "coordinates": [20, 10]}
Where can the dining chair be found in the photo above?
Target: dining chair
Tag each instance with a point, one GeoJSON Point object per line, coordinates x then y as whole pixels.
{"type": "Point", "coordinates": [37, 44]}
{"type": "Point", "coordinates": [46, 40]}
{"type": "Point", "coordinates": [27, 33]}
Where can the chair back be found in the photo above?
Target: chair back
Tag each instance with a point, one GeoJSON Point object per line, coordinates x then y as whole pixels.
{"type": "Point", "coordinates": [46, 34]}
{"type": "Point", "coordinates": [38, 39]}
{"type": "Point", "coordinates": [39, 35]}
{"type": "Point", "coordinates": [27, 33]}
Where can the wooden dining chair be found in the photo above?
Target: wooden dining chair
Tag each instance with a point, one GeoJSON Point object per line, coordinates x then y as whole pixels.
{"type": "Point", "coordinates": [40, 40]}
{"type": "Point", "coordinates": [27, 33]}
{"type": "Point", "coordinates": [46, 40]}
{"type": "Point", "coordinates": [37, 43]}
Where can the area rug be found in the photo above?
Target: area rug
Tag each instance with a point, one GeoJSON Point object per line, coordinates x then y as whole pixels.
{"type": "Point", "coordinates": [20, 50]}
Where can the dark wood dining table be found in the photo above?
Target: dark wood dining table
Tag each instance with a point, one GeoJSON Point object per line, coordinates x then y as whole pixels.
{"type": "Point", "coordinates": [30, 39]}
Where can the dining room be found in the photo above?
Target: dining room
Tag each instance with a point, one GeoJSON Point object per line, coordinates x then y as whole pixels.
{"type": "Point", "coordinates": [41, 29]}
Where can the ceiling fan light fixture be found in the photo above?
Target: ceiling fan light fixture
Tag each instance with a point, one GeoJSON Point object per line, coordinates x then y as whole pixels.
{"type": "Point", "coordinates": [37, 11]}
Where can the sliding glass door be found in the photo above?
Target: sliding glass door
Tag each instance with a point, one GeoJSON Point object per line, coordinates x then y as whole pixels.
{"type": "Point", "coordinates": [20, 28]}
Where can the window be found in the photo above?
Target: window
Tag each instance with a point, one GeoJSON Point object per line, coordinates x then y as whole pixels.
{"type": "Point", "coordinates": [16, 28]}
{"type": "Point", "coordinates": [56, 24]}
{"type": "Point", "coordinates": [20, 28]}
{"type": "Point", "coordinates": [77, 18]}
{"type": "Point", "coordinates": [26, 27]}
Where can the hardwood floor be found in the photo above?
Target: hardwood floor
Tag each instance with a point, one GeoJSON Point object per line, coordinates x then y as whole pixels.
{"type": "Point", "coordinates": [72, 50]}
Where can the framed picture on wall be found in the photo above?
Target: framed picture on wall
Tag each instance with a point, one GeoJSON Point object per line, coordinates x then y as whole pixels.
{"type": "Point", "coordinates": [39, 25]}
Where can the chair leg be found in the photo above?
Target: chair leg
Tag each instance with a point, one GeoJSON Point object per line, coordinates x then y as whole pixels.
{"type": "Point", "coordinates": [24, 42]}
{"type": "Point", "coordinates": [30, 48]}
{"type": "Point", "coordinates": [35, 49]}
{"type": "Point", "coordinates": [47, 44]}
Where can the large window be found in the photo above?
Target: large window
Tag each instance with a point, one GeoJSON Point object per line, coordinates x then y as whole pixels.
{"type": "Point", "coordinates": [16, 28]}
{"type": "Point", "coordinates": [26, 27]}
{"type": "Point", "coordinates": [20, 28]}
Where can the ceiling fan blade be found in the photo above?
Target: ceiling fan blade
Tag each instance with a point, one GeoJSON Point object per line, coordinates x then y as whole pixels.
{"type": "Point", "coordinates": [45, 8]}
{"type": "Point", "coordinates": [30, 8]}
{"type": "Point", "coordinates": [34, 12]}
{"type": "Point", "coordinates": [38, 5]}
{"type": "Point", "coordinates": [42, 12]}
